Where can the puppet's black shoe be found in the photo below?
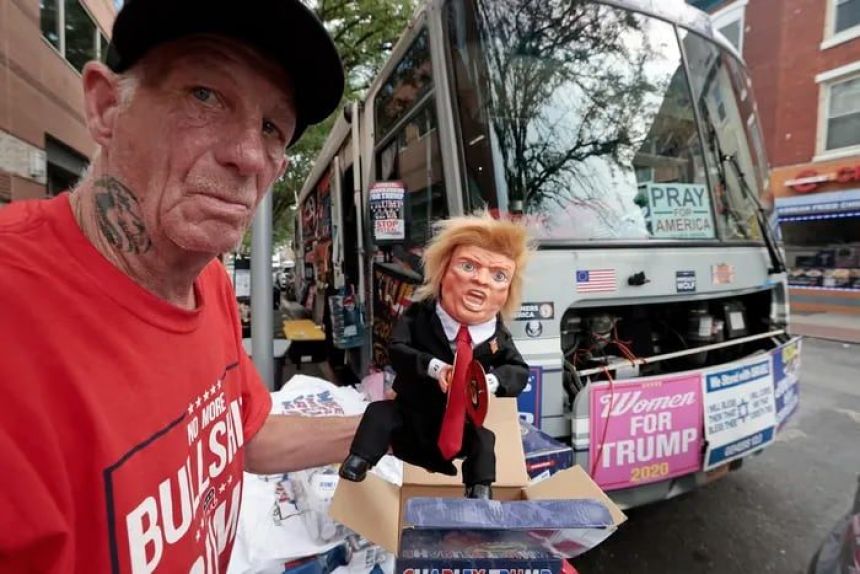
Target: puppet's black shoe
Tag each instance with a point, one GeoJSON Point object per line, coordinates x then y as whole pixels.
{"type": "Point", "coordinates": [354, 468]}
{"type": "Point", "coordinates": [482, 491]}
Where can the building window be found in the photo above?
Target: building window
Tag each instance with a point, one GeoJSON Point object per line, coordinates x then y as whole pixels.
{"type": "Point", "coordinates": [839, 114]}
{"type": "Point", "coordinates": [70, 28]}
{"type": "Point", "coordinates": [81, 38]}
{"type": "Point", "coordinates": [65, 166]}
{"type": "Point", "coordinates": [729, 21]}
{"type": "Point", "coordinates": [822, 250]}
{"type": "Point", "coordinates": [50, 22]}
{"type": "Point", "coordinates": [847, 15]}
{"type": "Point", "coordinates": [842, 22]}
{"type": "Point", "coordinates": [843, 114]}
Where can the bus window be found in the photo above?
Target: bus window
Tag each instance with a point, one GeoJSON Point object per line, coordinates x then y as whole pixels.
{"type": "Point", "coordinates": [408, 148]}
{"type": "Point", "coordinates": [413, 157]}
{"type": "Point", "coordinates": [579, 116]}
{"type": "Point", "coordinates": [411, 80]}
{"type": "Point", "coordinates": [732, 136]}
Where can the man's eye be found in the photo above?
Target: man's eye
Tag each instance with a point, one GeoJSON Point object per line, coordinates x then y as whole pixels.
{"type": "Point", "coordinates": [205, 95]}
{"type": "Point", "coordinates": [270, 129]}
{"type": "Point", "coordinates": [500, 276]}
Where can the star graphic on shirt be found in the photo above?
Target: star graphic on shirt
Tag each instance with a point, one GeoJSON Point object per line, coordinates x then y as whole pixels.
{"type": "Point", "coordinates": [197, 535]}
{"type": "Point", "coordinates": [222, 488]}
{"type": "Point", "coordinates": [219, 383]}
{"type": "Point", "coordinates": [206, 395]}
{"type": "Point", "coordinates": [198, 401]}
{"type": "Point", "coordinates": [229, 479]}
{"type": "Point", "coordinates": [212, 389]}
{"type": "Point", "coordinates": [190, 407]}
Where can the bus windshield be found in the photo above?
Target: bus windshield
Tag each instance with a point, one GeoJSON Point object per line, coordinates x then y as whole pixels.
{"type": "Point", "coordinates": [581, 117]}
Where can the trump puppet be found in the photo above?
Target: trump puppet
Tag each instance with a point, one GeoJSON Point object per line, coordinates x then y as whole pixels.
{"type": "Point", "coordinates": [449, 347]}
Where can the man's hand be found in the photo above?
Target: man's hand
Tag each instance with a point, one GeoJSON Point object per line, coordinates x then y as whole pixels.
{"type": "Point", "coordinates": [445, 375]}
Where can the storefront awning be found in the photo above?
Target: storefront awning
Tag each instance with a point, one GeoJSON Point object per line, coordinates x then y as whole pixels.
{"type": "Point", "coordinates": [829, 205]}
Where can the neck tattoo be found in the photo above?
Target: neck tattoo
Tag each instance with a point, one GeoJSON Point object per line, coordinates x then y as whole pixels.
{"type": "Point", "coordinates": [119, 218]}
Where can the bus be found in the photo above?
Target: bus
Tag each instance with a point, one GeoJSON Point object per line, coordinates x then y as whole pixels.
{"type": "Point", "coordinates": [625, 135]}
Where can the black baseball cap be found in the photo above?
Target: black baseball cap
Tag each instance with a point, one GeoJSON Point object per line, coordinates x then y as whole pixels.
{"type": "Point", "coordinates": [285, 30]}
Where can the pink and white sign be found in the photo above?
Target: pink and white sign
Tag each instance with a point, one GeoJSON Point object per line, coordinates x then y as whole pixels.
{"type": "Point", "coordinates": [645, 430]}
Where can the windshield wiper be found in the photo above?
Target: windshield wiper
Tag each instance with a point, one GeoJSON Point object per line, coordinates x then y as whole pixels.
{"type": "Point", "coordinates": [776, 262]}
{"type": "Point", "coordinates": [716, 149]}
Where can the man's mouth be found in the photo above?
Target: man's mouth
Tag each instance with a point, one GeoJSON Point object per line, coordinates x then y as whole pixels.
{"type": "Point", "coordinates": [225, 203]}
{"type": "Point", "coordinates": [474, 300]}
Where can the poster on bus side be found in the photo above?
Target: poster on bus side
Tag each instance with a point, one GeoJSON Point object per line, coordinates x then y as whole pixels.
{"type": "Point", "coordinates": [680, 211]}
{"type": "Point", "coordinates": [645, 430]}
{"type": "Point", "coordinates": [388, 210]}
{"type": "Point", "coordinates": [740, 413]}
{"type": "Point", "coordinates": [786, 378]}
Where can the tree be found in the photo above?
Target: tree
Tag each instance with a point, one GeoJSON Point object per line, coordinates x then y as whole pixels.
{"type": "Point", "coordinates": [364, 31]}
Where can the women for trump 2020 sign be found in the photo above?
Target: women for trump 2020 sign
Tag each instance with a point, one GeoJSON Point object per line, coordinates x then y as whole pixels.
{"type": "Point", "coordinates": [654, 428]}
{"type": "Point", "coordinates": [645, 430]}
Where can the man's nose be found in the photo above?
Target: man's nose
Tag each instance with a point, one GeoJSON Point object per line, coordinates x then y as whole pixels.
{"type": "Point", "coordinates": [244, 149]}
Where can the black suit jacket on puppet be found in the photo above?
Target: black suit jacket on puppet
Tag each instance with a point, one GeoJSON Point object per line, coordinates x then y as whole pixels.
{"type": "Point", "coordinates": [419, 337]}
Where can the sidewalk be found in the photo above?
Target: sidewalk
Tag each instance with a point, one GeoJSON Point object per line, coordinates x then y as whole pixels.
{"type": "Point", "coordinates": [834, 326]}
{"type": "Point", "coordinates": [291, 310]}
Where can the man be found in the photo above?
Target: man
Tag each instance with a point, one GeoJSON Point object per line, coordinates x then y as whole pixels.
{"type": "Point", "coordinates": [129, 409]}
{"type": "Point", "coordinates": [473, 271]}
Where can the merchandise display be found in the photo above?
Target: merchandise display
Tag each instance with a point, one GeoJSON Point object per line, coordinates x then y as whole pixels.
{"type": "Point", "coordinates": [289, 525]}
{"type": "Point", "coordinates": [284, 524]}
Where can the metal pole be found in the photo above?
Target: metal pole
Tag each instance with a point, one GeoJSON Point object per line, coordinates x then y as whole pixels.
{"type": "Point", "coordinates": [262, 328]}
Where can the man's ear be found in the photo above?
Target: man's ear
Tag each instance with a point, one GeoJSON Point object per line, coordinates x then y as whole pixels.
{"type": "Point", "coordinates": [101, 101]}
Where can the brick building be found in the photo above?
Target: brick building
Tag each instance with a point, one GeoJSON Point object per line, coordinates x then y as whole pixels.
{"type": "Point", "coordinates": [804, 59]}
{"type": "Point", "coordinates": [44, 143]}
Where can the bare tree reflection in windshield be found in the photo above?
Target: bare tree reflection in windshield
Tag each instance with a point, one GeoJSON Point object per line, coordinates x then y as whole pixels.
{"type": "Point", "coordinates": [585, 104]}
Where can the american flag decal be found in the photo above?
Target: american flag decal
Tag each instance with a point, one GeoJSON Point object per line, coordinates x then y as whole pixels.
{"type": "Point", "coordinates": [595, 280]}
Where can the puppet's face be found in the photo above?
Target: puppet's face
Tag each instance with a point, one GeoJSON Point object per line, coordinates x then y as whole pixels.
{"type": "Point", "coordinates": [476, 284]}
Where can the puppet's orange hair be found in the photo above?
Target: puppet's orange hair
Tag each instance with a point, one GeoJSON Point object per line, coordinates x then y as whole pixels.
{"type": "Point", "coordinates": [500, 236]}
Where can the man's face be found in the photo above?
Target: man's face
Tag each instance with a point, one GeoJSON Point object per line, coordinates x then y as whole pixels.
{"type": "Point", "coordinates": [476, 284]}
{"type": "Point", "coordinates": [202, 142]}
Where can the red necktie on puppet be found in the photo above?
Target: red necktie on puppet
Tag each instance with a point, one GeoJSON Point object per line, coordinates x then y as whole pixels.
{"type": "Point", "coordinates": [451, 435]}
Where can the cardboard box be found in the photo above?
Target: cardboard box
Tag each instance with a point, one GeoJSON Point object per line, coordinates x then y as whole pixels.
{"type": "Point", "coordinates": [376, 509]}
{"type": "Point", "coordinates": [545, 456]}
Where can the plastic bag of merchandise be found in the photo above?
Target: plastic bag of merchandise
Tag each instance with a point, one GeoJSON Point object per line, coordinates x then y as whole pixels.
{"type": "Point", "coordinates": [315, 397]}
{"type": "Point", "coordinates": [314, 490]}
{"type": "Point", "coordinates": [365, 557]}
{"type": "Point", "coordinates": [272, 529]}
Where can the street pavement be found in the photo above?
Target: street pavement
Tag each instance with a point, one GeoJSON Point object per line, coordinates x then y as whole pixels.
{"type": "Point", "coordinates": [832, 326]}
{"type": "Point", "coordinates": [770, 515]}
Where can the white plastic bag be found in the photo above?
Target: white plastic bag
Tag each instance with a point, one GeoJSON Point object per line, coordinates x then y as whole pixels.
{"type": "Point", "coordinates": [314, 490]}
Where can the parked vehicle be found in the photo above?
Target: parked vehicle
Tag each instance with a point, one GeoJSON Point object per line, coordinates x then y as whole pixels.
{"type": "Point", "coordinates": [839, 552]}
{"type": "Point", "coordinates": [625, 135]}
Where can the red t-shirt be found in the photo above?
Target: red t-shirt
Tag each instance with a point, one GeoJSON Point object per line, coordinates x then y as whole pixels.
{"type": "Point", "coordinates": [122, 417]}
